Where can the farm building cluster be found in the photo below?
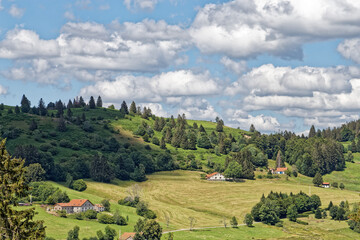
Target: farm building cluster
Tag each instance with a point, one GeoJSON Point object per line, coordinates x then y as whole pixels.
{"type": "Point", "coordinates": [78, 205]}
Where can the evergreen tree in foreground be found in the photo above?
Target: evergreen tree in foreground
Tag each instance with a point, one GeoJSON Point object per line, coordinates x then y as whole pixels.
{"type": "Point", "coordinates": [15, 224]}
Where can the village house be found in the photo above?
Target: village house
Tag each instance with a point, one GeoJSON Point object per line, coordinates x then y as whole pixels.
{"type": "Point", "coordinates": [280, 170]}
{"type": "Point", "coordinates": [128, 236]}
{"type": "Point", "coordinates": [326, 185]}
{"type": "Point", "coordinates": [215, 177]}
{"type": "Point", "coordinates": [99, 208]}
{"type": "Point", "coordinates": [77, 205]}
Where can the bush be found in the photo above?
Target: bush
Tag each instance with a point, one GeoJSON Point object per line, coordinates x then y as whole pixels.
{"type": "Point", "coordinates": [301, 222]}
{"type": "Point", "coordinates": [279, 224]}
{"type": "Point", "coordinates": [65, 144]}
{"type": "Point", "coordinates": [79, 185]}
{"type": "Point", "coordinates": [90, 214]}
{"type": "Point", "coordinates": [45, 147]}
{"type": "Point", "coordinates": [335, 185]}
{"type": "Point", "coordinates": [79, 216]}
{"type": "Point", "coordinates": [260, 176]}
{"type": "Point", "coordinates": [106, 204]}
{"type": "Point", "coordinates": [105, 218]}
{"type": "Point", "coordinates": [62, 213]}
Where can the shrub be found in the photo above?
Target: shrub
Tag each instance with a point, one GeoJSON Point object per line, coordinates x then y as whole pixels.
{"type": "Point", "coordinates": [301, 222]}
{"type": "Point", "coordinates": [90, 214]}
{"type": "Point", "coordinates": [279, 224]}
{"type": "Point", "coordinates": [79, 216]}
{"type": "Point", "coordinates": [65, 144]}
{"type": "Point", "coordinates": [260, 176]}
{"type": "Point", "coordinates": [62, 213]}
{"type": "Point", "coordinates": [335, 185]}
{"type": "Point", "coordinates": [105, 218]}
{"type": "Point", "coordinates": [79, 185]}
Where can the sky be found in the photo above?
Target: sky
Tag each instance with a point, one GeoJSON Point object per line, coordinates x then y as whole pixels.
{"type": "Point", "coordinates": [277, 64]}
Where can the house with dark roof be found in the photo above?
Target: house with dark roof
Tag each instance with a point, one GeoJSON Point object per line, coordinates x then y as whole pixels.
{"type": "Point", "coordinates": [75, 206]}
{"type": "Point", "coordinates": [215, 177]}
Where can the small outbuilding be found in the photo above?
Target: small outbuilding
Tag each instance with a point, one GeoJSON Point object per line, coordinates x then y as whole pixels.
{"type": "Point", "coordinates": [99, 208]}
{"type": "Point", "coordinates": [326, 185]}
{"type": "Point", "coordinates": [280, 170]}
{"type": "Point", "coordinates": [215, 177]}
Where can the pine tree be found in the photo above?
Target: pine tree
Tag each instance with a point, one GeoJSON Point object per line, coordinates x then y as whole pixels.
{"type": "Point", "coordinates": [292, 213]}
{"type": "Point", "coordinates": [17, 109]}
{"type": "Point", "coordinates": [100, 170]}
{"type": "Point", "coordinates": [139, 174]}
{"type": "Point", "coordinates": [69, 113]}
{"type": "Point", "coordinates": [99, 102]}
{"type": "Point", "coordinates": [233, 222]}
{"type": "Point", "coordinates": [15, 224]}
{"type": "Point", "coordinates": [69, 105]}
{"type": "Point", "coordinates": [195, 126]}
{"type": "Point", "coordinates": [92, 104]}
{"type": "Point", "coordinates": [220, 126]}
{"type": "Point", "coordinates": [42, 108]}
{"type": "Point", "coordinates": [168, 135]}
{"type": "Point", "coordinates": [162, 143]}
{"type": "Point", "coordinates": [192, 141]}
{"type": "Point", "coordinates": [33, 125]}
{"type": "Point", "coordinates": [25, 104]}
{"type": "Point", "coordinates": [317, 180]}
{"type": "Point", "coordinates": [312, 132]}
{"type": "Point", "coordinates": [252, 128]}
{"type": "Point", "coordinates": [318, 214]}
{"type": "Point", "coordinates": [82, 102]}
{"type": "Point", "coordinates": [124, 108]}
{"type": "Point", "coordinates": [61, 125]}
{"type": "Point", "coordinates": [157, 125]}
{"type": "Point", "coordinates": [132, 108]}
{"type": "Point", "coordinates": [202, 129]}
{"type": "Point", "coordinates": [60, 108]}
{"type": "Point", "coordinates": [279, 161]}
{"type": "Point", "coordinates": [172, 122]}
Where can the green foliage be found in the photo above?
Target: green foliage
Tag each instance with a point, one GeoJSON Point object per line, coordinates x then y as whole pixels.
{"type": "Point", "coordinates": [118, 219]}
{"type": "Point", "coordinates": [317, 180]}
{"type": "Point", "coordinates": [90, 214]}
{"type": "Point", "coordinates": [318, 214]}
{"type": "Point", "coordinates": [73, 234]}
{"type": "Point", "coordinates": [234, 170]}
{"type": "Point", "coordinates": [58, 197]}
{"type": "Point", "coordinates": [105, 218]}
{"type": "Point", "coordinates": [150, 230]}
{"type": "Point", "coordinates": [342, 186]}
{"type": "Point", "coordinates": [15, 224]}
{"type": "Point", "coordinates": [62, 213]}
{"type": "Point", "coordinates": [79, 185]}
{"type": "Point", "coordinates": [292, 213]}
{"type": "Point", "coordinates": [100, 169]}
{"type": "Point", "coordinates": [25, 104]}
{"type": "Point", "coordinates": [139, 174]}
{"type": "Point", "coordinates": [249, 220]}
{"type": "Point", "coordinates": [92, 104]}
{"type": "Point", "coordinates": [61, 125]}
{"type": "Point", "coordinates": [233, 222]}
{"type": "Point", "coordinates": [106, 204]}
{"type": "Point", "coordinates": [335, 185]}
{"type": "Point", "coordinates": [34, 173]}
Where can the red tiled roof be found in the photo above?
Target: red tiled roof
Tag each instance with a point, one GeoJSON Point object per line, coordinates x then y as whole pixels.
{"type": "Point", "coordinates": [127, 235]}
{"type": "Point", "coordinates": [281, 169]}
{"type": "Point", "coordinates": [99, 205]}
{"type": "Point", "coordinates": [74, 203]}
{"type": "Point", "coordinates": [326, 183]}
{"type": "Point", "coordinates": [211, 174]}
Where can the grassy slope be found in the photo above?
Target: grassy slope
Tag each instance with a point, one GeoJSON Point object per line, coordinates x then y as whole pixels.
{"type": "Point", "coordinates": [182, 194]}
{"type": "Point", "coordinates": [58, 227]}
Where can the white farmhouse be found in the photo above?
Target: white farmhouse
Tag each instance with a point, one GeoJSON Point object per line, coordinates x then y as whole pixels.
{"type": "Point", "coordinates": [215, 177]}
{"type": "Point", "coordinates": [75, 206]}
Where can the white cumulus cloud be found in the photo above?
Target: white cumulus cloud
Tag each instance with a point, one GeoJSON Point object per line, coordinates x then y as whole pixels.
{"type": "Point", "coordinates": [16, 12]}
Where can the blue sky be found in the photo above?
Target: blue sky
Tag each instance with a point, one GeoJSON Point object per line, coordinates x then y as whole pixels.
{"type": "Point", "coordinates": [277, 64]}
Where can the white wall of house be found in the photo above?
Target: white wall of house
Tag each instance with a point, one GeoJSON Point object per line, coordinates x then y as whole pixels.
{"type": "Point", "coordinates": [217, 177]}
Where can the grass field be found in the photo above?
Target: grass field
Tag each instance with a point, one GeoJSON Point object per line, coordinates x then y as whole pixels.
{"type": "Point", "coordinates": [181, 194]}
{"type": "Point", "coordinates": [58, 228]}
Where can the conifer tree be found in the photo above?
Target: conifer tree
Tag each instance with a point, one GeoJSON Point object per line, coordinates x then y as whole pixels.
{"type": "Point", "coordinates": [172, 122]}
{"type": "Point", "coordinates": [132, 108]}
{"type": "Point", "coordinates": [202, 129]}
{"type": "Point", "coordinates": [124, 108]}
{"type": "Point", "coordinates": [61, 125]}
{"type": "Point", "coordinates": [162, 143]}
{"type": "Point", "coordinates": [33, 125]}
{"type": "Point", "coordinates": [70, 104]}
{"type": "Point", "coordinates": [252, 128]}
{"type": "Point", "coordinates": [82, 102]}
{"type": "Point", "coordinates": [15, 224]}
{"type": "Point", "coordinates": [220, 126]}
{"type": "Point", "coordinates": [279, 161]}
{"type": "Point", "coordinates": [162, 123]}
{"type": "Point", "coordinates": [25, 104]}
{"type": "Point", "coordinates": [42, 108]}
{"type": "Point", "coordinates": [99, 102]}
{"type": "Point", "coordinates": [60, 108]}
{"type": "Point", "coordinates": [312, 132]}
{"type": "Point", "coordinates": [100, 170]}
{"type": "Point", "coordinates": [92, 104]}
{"type": "Point", "coordinates": [168, 135]}
{"type": "Point", "coordinates": [17, 109]}
{"type": "Point", "coordinates": [195, 126]}
{"type": "Point", "coordinates": [69, 113]}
